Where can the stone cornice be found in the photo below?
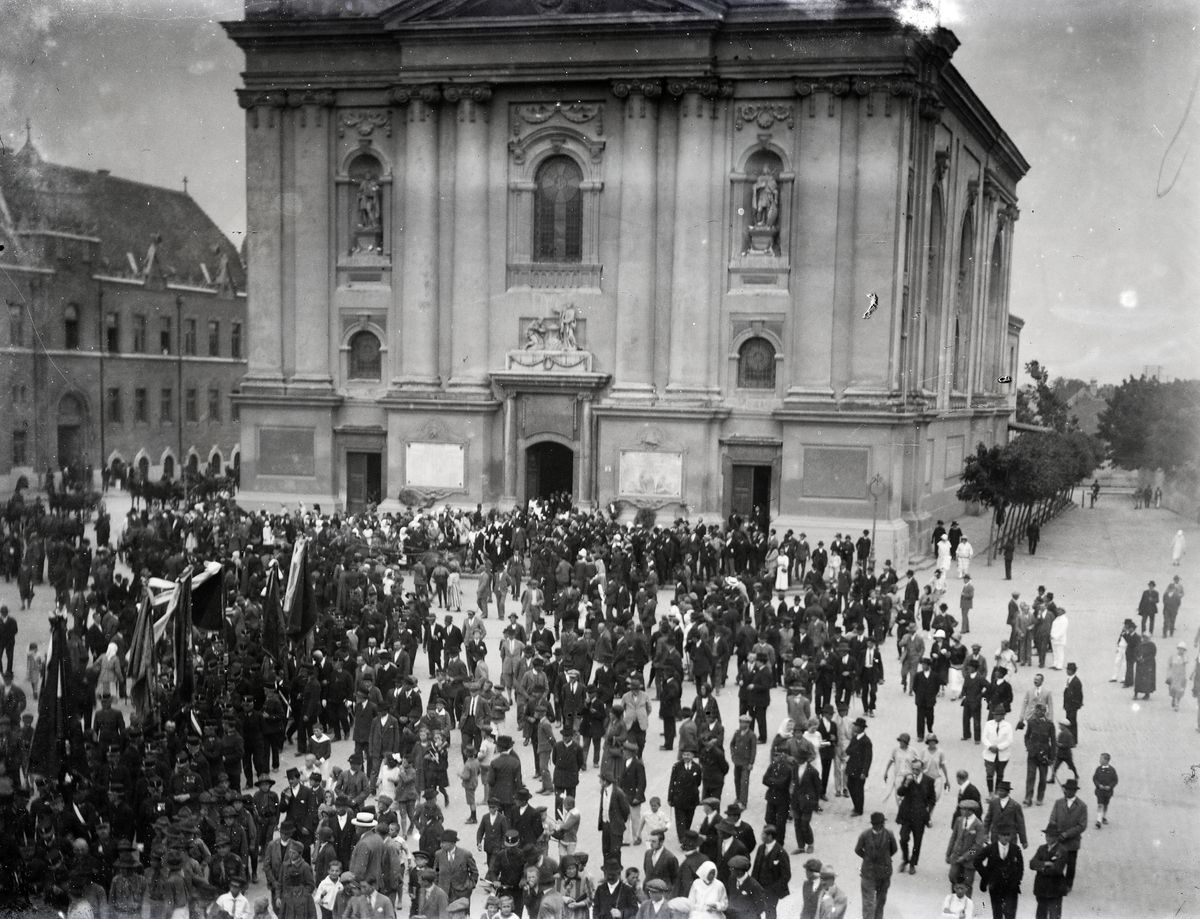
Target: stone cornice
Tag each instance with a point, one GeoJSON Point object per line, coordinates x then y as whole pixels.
{"type": "Point", "coordinates": [861, 86]}
{"type": "Point", "coordinates": [708, 87]}
{"type": "Point", "coordinates": [262, 98]}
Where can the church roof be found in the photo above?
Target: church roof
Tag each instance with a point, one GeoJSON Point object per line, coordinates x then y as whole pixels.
{"type": "Point", "coordinates": [124, 215]}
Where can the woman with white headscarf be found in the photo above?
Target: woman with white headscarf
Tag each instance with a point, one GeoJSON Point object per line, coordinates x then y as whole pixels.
{"type": "Point", "coordinates": [112, 673]}
{"type": "Point", "coordinates": [707, 897]}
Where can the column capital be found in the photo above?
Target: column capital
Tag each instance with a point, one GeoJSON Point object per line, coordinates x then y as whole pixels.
{"type": "Point", "coordinates": [647, 88]}
{"type": "Point", "coordinates": [467, 92]}
{"type": "Point", "coordinates": [403, 94]}
{"type": "Point", "coordinates": [261, 98]}
{"type": "Point", "coordinates": [709, 87]}
{"type": "Point", "coordinates": [322, 98]}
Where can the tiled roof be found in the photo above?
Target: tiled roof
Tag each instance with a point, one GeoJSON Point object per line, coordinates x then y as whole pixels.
{"type": "Point", "coordinates": [125, 215]}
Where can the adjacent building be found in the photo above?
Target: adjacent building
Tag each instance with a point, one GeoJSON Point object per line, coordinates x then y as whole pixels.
{"type": "Point", "coordinates": [691, 255]}
{"type": "Point", "coordinates": [124, 335]}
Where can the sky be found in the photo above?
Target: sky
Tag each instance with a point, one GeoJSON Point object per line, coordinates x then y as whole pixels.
{"type": "Point", "coordinates": [1097, 94]}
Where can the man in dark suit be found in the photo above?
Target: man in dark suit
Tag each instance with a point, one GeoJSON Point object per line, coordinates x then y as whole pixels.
{"type": "Point", "coordinates": [1001, 867]}
{"type": "Point", "coordinates": [805, 800]}
{"type": "Point", "coordinates": [810, 891]}
{"type": "Point", "coordinates": [858, 764]}
{"type": "Point", "coordinates": [925, 687]}
{"type": "Point", "coordinates": [683, 791]}
{"type": "Point", "coordinates": [612, 894]}
{"type": "Point", "coordinates": [659, 862]}
{"type": "Point", "coordinates": [504, 772]}
{"type": "Point", "coordinates": [1070, 819]}
{"type": "Point", "coordinates": [746, 897]}
{"type": "Point", "coordinates": [614, 816]}
{"type": "Point", "coordinates": [917, 794]}
{"type": "Point", "coordinates": [689, 865]}
{"type": "Point", "coordinates": [728, 847]}
{"type": "Point", "coordinates": [296, 805]}
{"type": "Point", "coordinates": [773, 870]}
{"type": "Point", "coordinates": [363, 713]}
{"type": "Point", "coordinates": [633, 782]}
{"type": "Point", "coordinates": [1073, 698]}
{"type": "Point", "coordinates": [568, 759]}
{"type": "Point", "coordinates": [457, 873]}
{"type": "Point", "coordinates": [758, 692]}
{"type": "Point", "coordinates": [525, 820]}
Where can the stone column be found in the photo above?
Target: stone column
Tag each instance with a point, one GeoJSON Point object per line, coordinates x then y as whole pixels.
{"type": "Point", "coordinates": [264, 196]}
{"type": "Point", "coordinates": [509, 497]}
{"type": "Point", "coordinates": [691, 346]}
{"type": "Point", "coordinates": [634, 366]}
{"type": "Point", "coordinates": [416, 340]}
{"type": "Point", "coordinates": [311, 227]}
{"type": "Point", "coordinates": [470, 319]}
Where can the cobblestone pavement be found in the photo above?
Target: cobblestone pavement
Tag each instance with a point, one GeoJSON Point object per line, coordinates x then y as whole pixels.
{"type": "Point", "coordinates": [1096, 561]}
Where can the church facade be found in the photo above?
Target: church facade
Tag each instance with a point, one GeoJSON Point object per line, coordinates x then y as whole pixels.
{"type": "Point", "coordinates": [693, 256]}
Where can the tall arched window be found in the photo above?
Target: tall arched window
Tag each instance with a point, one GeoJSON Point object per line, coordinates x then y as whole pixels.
{"type": "Point", "coordinates": [756, 364]}
{"type": "Point", "coordinates": [964, 307]}
{"type": "Point", "coordinates": [365, 359]}
{"type": "Point", "coordinates": [168, 466]}
{"type": "Point", "coordinates": [558, 211]}
{"type": "Point", "coordinates": [993, 347]}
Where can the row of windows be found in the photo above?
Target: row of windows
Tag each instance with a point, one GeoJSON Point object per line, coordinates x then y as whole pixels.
{"type": "Point", "coordinates": [141, 343]}
{"type": "Point", "coordinates": [114, 406]}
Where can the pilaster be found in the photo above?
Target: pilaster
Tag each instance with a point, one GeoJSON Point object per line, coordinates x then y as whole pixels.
{"type": "Point", "coordinates": [470, 319]}
{"type": "Point", "coordinates": [634, 377]}
{"type": "Point", "coordinates": [417, 313]}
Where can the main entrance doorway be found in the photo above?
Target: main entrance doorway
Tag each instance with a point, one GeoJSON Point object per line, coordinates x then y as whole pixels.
{"type": "Point", "coordinates": [751, 492]}
{"type": "Point", "coordinates": [364, 480]}
{"type": "Point", "coordinates": [549, 469]}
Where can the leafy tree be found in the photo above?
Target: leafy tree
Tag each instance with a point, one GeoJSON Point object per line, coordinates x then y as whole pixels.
{"type": "Point", "coordinates": [1149, 424]}
{"type": "Point", "coordinates": [1039, 403]}
{"type": "Point", "coordinates": [1030, 468]}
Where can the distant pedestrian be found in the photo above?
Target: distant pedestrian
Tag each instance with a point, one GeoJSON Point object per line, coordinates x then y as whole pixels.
{"type": "Point", "coordinates": [1148, 607]}
{"type": "Point", "coordinates": [1033, 533]}
{"type": "Point", "coordinates": [1177, 674]}
{"type": "Point", "coordinates": [1095, 491]}
{"type": "Point", "coordinates": [1009, 551]}
{"type": "Point", "coordinates": [1145, 668]}
{"type": "Point", "coordinates": [1058, 639]}
{"type": "Point", "coordinates": [1172, 599]}
{"type": "Point", "coordinates": [1049, 865]}
{"type": "Point", "coordinates": [966, 599]}
{"type": "Point", "coordinates": [875, 847]}
{"type": "Point", "coordinates": [1178, 544]}
{"type": "Point", "coordinates": [1104, 780]}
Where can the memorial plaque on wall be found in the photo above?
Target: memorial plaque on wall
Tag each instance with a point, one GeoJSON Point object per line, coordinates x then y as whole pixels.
{"type": "Point", "coordinates": [286, 451]}
{"type": "Point", "coordinates": [835, 472]}
{"type": "Point", "coordinates": [651, 474]}
{"type": "Point", "coordinates": [435, 465]}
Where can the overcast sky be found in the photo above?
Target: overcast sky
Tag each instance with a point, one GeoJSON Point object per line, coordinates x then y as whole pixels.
{"type": "Point", "coordinates": [1095, 93]}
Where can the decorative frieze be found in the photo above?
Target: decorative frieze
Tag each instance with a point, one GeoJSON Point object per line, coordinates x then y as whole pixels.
{"type": "Point", "coordinates": [364, 122]}
{"type": "Point", "coordinates": [762, 114]}
{"type": "Point", "coordinates": [863, 87]}
{"type": "Point", "coordinates": [539, 113]}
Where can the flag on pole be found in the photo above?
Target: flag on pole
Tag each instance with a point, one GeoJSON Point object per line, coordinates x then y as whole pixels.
{"type": "Point", "coordinates": [208, 598]}
{"type": "Point", "coordinates": [143, 661]}
{"type": "Point", "coordinates": [56, 707]}
{"type": "Point", "coordinates": [272, 627]}
{"type": "Point", "coordinates": [181, 636]}
{"type": "Point", "coordinates": [300, 601]}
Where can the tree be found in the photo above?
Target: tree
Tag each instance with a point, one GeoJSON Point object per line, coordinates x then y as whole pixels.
{"type": "Point", "coordinates": [1039, 403]}
{"type": "Point", "coordinates": [1149, 424]}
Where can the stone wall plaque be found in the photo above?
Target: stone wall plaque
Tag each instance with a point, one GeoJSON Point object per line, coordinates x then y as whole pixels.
{"type": "Point", "coordinates": [434, 465]}
{"type": "Point", "coordinates": [287, 451]}
{"type": "Point", "coordinates": [650, 474]}
{"type": "Point", "coordinates": [835, 472]}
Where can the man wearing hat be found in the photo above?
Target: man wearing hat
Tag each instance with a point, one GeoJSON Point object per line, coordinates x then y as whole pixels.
{"type": "Point", "coordinates": [858, 764]}
{"type": "Point", "coordinates": [507, 869]}
{"type": "Point", "coordinates": [128, 886]}
{"type": "Point", "coordinates": [1050, 883]}
{"type": "Point", "coordinates": [504, 772]}
{"type": "Point", "coordinates": [925, 689]}
{"type": "Point", "coordinates": [810, 890]}
{"type": "Point", "coordinates": [233, 902]}
{"type": "Point", "coordinates": [655, 907]}
{"type": "Point", "coordinates": [457, 873]}
{"type": "Point", "coordinates": [276, 852]}
{"type": "Point", "coordinates": [746, 897]}
{"type": "Point", "coordinates": [366, 858]}
{"type": "Point", "coordinates": [1041, 748]}
{"type": "Point", "coordinates": [831, 900]}
{"type": "Point", "coordinates": [772, 870]}
{"type": "Point", "coordinates": [1001, 867]}
{"type": "Point", "coordinates": [728, 848]}
{"type": "Point", "coordinates": [967, 840]}
{"type": "Point", "coordinates": [613, 897]}
{"type": "Point", "coordinates": [614, 817]}
{"type": "Point", "coordinates": [298, 804]}
{"type": "Point", "coordinates": [918, 795]}
{"type": "Point", "coordinates": [876, 847]}
{"type": "Point", "coordinates": [1069, 819]}
{"type": "Point", "coordinates": [632, 780]}
{"type": "Point", "coordinates": [683, 791]}
{"type": "Point", "coordinates": [1004, 815]}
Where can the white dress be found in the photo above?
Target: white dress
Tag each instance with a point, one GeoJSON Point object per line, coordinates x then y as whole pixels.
{"type": "Point", "coordinates": [964, 555]}
{"type": "Point", "coordinates": [781, 571]}
{"type": "Point", "coordinates": [708, 899]}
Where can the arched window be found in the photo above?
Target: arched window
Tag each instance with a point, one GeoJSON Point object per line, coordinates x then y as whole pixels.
{"type": "Point", "coordinates": [71, 327]}
{"type": "Point", "coordinates": [756, 364]}
{"type": "Point", "coordinates": [365, 359]}
{"type": "Point", "coordinates": [932, 314]}
{"type": "Point", "coordinates": [558, 211]}
{"type": "Point", "coordinates": [964, 307]}
{"type": "Point", "coordinates": [168, 466]}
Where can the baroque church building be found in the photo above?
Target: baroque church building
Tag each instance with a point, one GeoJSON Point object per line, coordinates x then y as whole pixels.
{"type": "Point", "coordinates": [698, 256]}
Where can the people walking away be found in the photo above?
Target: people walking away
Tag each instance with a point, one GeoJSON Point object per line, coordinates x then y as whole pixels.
{"type": "Point", "coordinates": [875, 847]}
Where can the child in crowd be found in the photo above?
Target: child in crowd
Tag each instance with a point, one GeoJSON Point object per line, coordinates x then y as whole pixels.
{"type": "Point", "coordinates": [656, 819]}
{"type": "Point", "coordinates": [1105, 780]}
{"type": "Point", "coordinates": [35, 668]}
{"type": "Point", "coordinates": [469, 775]}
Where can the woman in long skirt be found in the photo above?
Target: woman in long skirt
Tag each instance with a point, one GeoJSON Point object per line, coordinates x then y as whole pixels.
{"type": "Point", "coordinates": [1145, 667]}
{"type": "Point", "coordinates": [1177, 674]}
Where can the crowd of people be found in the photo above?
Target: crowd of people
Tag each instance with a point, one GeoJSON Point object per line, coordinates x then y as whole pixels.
{"type": "Point", "coordinates": [162, 800]}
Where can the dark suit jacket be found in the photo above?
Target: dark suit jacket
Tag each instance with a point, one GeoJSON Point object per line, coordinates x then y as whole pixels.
{"type": "Point", "coordinates": [858, 756]}
{"type": "Point", "coordinates": [633, 781]}
{"type": "Point", "coordinates": [1073, 695]}
{"type": "Point", "coordinates": [666, 870]}
{"type": "Point", "coordinates": [1002, 876]}
{"type": "Point", "coordinates": [618, 810]}
{"type": "Point", "coordinates": [806, 788]}
{"type": "Point", "coordinates": [1071, 822]}
{"type": "Point", "coordinates": [504, 777]}
{"type": "Point", "coordinates": [1010, 819]}
{"type": "Point", "coordinates": [723, 858]}
{"type": "Point", "coordinates": [623, 898]}
{"type": "Point", "coordinates": [772, 869]}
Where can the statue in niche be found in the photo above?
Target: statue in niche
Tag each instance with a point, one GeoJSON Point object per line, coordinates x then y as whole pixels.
{"type": "Point", "coordinates": [556, 334]}
{"type": "Point", "coordinates": [567, 319]}
{"type": "Point", "coordinates": [766, 199]}
{"type": "Point", "coordinates": [368, 204]}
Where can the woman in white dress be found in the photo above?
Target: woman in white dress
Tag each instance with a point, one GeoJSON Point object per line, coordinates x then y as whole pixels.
{"type": "Point", "coordinates": [389, 777]}
{"type": "Point", "coordinates": [707, 897]}
{"type": "Point", "coordinates": [1178, 544]}
{"type": "Point", "coordinates": [1058, 639]}
{"type": "Point", "coordinates": [943, 553]}
{"type": "Point", "coordinates": [963, 556]}
{"type": "Point", "coordinates": [782, 564]}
